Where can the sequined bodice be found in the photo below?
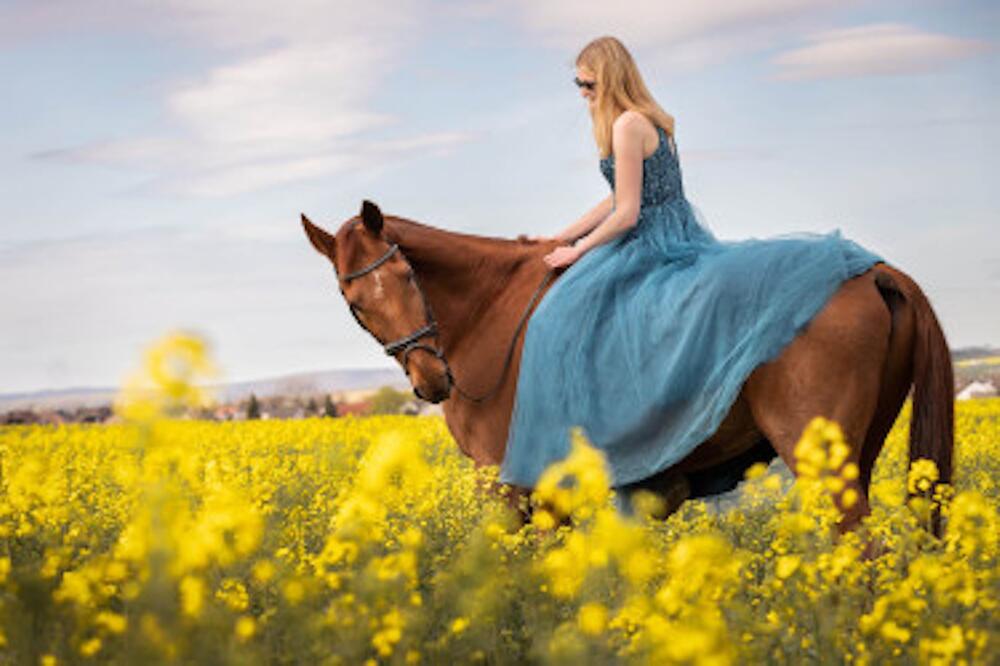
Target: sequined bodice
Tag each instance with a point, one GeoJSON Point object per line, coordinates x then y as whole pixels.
{"type": "Point", "coordinates": [661, 173]}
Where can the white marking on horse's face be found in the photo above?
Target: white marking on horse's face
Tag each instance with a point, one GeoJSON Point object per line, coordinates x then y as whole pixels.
{"type": "Point", "coordinates": [379, 291]}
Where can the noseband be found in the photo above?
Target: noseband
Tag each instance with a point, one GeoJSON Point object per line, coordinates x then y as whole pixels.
{"type": "Point", "coordinates": [410, 342]}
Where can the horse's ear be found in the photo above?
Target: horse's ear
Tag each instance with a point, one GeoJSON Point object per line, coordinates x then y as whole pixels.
{"type": "Point", "coordinates": [372, 217]}
{"type": "Point", "coordinates": [321, 240]}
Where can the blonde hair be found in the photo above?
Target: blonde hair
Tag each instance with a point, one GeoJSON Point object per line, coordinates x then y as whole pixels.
{"type": "Point", "coordinates": [619, 88]}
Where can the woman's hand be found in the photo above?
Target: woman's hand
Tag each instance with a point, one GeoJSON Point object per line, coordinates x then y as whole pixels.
{"type": "Point", "coordinates": [564, 255]}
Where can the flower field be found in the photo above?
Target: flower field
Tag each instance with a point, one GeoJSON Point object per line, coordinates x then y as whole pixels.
{"type": "Point", "coordinates": [372, 540]}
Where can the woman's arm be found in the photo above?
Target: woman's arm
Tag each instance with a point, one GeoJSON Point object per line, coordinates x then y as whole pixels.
{"type": "Point", "coordinates": [627, 144]}
{"type": "Point", "coordinates": [588, 221]}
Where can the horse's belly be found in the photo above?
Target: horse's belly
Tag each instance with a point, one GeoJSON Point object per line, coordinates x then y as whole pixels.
{"type": "Point", "coordinates": [736, 434]}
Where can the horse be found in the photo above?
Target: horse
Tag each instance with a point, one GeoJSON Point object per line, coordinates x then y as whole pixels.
{"type": "Point", "coordinates": [450, 308]}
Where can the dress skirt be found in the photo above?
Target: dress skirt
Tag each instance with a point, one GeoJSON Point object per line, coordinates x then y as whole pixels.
{"type": "Point", "coordinates": [646, 341]}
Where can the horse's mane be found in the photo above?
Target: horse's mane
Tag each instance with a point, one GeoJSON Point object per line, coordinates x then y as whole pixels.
{"type": "Point", "coordinates": [418, 233]}
{"type": "Point", "coordinates": [465, 276]}
{"type": "Point", "coordinates": [433, 246]}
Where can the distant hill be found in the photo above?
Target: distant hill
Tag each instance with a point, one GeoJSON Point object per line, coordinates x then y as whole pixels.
{"type": "Point", "coordinates": [972, 353]}
{"type": "Point", "coordinates": [330, 381]}
{"type": "Point", "coordinates": [971, 363]}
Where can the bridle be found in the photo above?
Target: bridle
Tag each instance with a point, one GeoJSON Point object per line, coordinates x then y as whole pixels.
{"type": "Point", "coordinates": [407, 343]}
{"type": "Point", "coordinates": [411, 342]}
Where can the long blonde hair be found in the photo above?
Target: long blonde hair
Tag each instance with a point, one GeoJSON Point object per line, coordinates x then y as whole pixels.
{"type": "Point", "coordinates": [619, 88]}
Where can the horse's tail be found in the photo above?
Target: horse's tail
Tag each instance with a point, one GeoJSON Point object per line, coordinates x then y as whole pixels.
{"type": "Point", "coordinates": [932, 426]}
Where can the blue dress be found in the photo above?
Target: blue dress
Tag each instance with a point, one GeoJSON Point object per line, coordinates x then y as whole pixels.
{"type": "Point", "coordinates": [646, 341]}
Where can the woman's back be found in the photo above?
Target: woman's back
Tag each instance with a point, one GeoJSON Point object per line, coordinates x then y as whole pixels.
{"type": "Point", "coordinates": [661, 172]}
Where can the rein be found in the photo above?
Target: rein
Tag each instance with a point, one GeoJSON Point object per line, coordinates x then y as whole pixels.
{"type": "Point", "coordinates": [411, 342]}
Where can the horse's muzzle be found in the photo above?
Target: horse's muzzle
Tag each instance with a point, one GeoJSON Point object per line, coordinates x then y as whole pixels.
{"type": "Point", "coordinates": [439, 395]}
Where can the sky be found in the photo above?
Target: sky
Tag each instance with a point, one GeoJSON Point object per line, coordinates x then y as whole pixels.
{"type": "Point", "coordinates": [157, 154]}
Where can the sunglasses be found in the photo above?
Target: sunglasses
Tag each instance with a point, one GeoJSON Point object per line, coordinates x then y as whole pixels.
{"type": "Point", "coordinates": [589, 85]}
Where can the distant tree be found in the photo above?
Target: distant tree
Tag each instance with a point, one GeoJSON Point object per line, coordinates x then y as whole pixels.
{"type": "Point", "coordinates": [253, 407]}
{"type": "Point", "coordinates": [388, 400]}
{"type": "Point", "coordinates": [204, 413]}
{"type": "Point", "coordinates": [20, 417]}
{"type": "Point", "coordinates": [312, 409]}
{"type": "Point", "coordinates": [329, 409]}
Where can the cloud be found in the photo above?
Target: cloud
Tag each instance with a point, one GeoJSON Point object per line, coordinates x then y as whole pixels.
{"type": "Point", "coordinates": [289, 102]}
{"type": "Point", "coordinates": [220, 24]}
{"type": "Point", "coordinates": [212, 169]}
{"type": "Point", "coordinates": [874, 50]}
{"type": "Point", "coordinates": [286, 97]}
{"type": "Point", "coordinates": [687, 36]}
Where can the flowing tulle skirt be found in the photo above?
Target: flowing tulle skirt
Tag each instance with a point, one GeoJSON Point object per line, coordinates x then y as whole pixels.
{"type": "Point", "coordinates": [646, 341]}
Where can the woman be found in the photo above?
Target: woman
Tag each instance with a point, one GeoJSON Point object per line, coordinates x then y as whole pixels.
{"type": "Point", "coordinates": [647, 337]}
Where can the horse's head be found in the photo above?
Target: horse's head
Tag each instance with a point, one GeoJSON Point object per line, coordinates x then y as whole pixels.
{"type": "Point", "coordinates": [381, 290]}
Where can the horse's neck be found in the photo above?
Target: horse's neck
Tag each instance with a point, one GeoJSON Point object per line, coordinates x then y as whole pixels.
{"type": "Point", "coordinates": [461, 275]}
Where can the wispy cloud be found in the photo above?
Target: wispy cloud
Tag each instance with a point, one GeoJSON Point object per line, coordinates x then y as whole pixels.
{"type": "Point", "coordinates": [213, 169]}
{"type": "Point", "coordinates": [221, 24]}
{"type": "Point", "coordinates": [874, 50]}
{"type": "Point", "coordinates": [291, 101]}
{"type": "Point", "coordinates": [686, 36]}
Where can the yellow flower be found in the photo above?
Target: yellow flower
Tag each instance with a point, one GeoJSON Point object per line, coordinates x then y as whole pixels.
{"type": "Point", "coordinates": [192, 591]}
{"type": "Point", "coordinates": [234, 594]}
{"type": "Point", "coordinates": [922, 476]}
{"type": "Point", "coordinates": [542, 519]}
{"type": "Point", "coordinates": [649, 505]}
{"type": "Point", "coordinates": [786, 565]}
{"type": "Point", "coordinates": [168, 380]}
{"type": "Point", "coordinates": [113, 622]}
{"type": "Point", "coordinates": [389, 634]}
{"type": "Point", "coordinates": [578, 485]}
{"type": "Point", "coordinates": [772, 483]}
{"type": "Point", "coordinates": [386, 529]}
{"type": "Point", "coordinates": [263, 571]}
{"type": "Point", "coordinates": [294, 592]}
{"type": "Point", "coordinates": [175, 362]}
{"type": "Point", "coordinates": [90, 647]}
{"type": "Point", "coordinates": [894, 632]}
{"type": "Point", "coordinates": [592, 618]}
{"type": "Point", "coordinates": [245, 627]}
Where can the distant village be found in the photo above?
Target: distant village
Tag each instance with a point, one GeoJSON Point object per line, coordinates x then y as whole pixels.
{"type": "Point", "coordinates": [384, 400]}
{"type": "Point", "coordinates": [977, 375]}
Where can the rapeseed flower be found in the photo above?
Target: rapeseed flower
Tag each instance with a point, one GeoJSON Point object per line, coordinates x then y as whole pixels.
{"type": "Point", "coordinates": [357, 540]}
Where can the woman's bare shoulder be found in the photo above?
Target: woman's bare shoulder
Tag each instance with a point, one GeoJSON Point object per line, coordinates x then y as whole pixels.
{"type": "Point", "coordinates": [633, 119]}
{"type": "Point", "coordinates": [632, 126]}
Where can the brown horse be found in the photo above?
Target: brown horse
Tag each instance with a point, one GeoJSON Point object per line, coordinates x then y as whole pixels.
{"type": "Point", "coordinates": [450, 307]}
